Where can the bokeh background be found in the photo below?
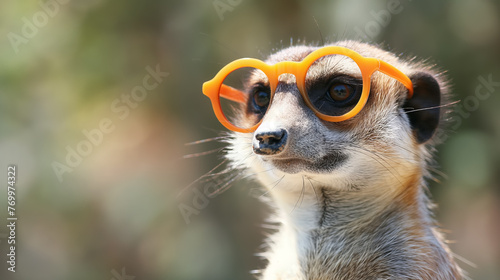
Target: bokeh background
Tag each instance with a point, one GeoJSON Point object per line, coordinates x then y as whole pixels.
{"type": "Point", "coordinates": [68, 66]}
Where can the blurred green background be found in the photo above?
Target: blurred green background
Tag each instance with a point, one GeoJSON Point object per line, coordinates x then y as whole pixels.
{"type": "Point", "coordinates": [66, 67]}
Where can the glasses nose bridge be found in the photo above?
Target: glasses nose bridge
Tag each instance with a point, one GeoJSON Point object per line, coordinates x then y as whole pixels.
{"type": "Point", "coordinates": [287, 67]}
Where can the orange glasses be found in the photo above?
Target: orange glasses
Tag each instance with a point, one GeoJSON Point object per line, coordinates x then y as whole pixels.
{"type": "Point", "coordinates": [334, 83]}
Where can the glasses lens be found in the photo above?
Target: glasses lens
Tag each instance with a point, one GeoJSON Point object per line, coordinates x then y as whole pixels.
{"type": "Point", "coordinates": [334, 84]}
{"type": "Point", "coordinates": [245, 96]}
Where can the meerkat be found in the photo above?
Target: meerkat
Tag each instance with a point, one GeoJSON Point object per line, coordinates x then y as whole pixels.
{"type": "Point", "coordinates": [348, 181]}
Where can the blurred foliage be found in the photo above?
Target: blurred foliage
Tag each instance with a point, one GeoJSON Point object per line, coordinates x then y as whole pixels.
{"type": "Point", "coordinates": [119, 207]}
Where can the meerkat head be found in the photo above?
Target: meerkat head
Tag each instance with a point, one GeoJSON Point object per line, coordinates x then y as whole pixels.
{"type": "Point", "coordinates": [287, 138]}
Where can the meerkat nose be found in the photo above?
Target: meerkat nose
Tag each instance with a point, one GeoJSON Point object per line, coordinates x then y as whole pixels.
{"type": "Point", "coordinates": [270, 142]}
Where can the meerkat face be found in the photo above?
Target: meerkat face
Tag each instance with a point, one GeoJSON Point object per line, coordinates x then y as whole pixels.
{"type": "Point", "coordinates": [381, 144]}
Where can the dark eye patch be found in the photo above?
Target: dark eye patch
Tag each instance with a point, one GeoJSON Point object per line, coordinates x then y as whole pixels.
{"type": "Point", "coordinates": [318, 93]}
{"type": "Point", "coordinates": [256, 102]}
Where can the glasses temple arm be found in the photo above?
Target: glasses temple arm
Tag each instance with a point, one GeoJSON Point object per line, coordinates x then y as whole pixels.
{"type": "Point", "coordinates": [232, 94]}
{"type": "Point", "coordinates": [393, 72]}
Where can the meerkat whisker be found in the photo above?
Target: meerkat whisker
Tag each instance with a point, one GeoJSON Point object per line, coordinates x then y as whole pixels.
{"type": "Point", "coordinates": [274, 184]}
{"type": "Point", "coordinates": [301, 196]}
{"type": "Point", "coordinates": [433, 107]}
{"type": "Point", "coordinates": [248, 175]}
{"type": "Point", "coordinates": [196, 155]}
{"type": "Point", "coordinates": [181, 192]}
{"type": "Point", "coordinates": [314, 189]}
{"type": "Point", "coordinates": [218, 138]}
{"type": "Point", "coordinates": [226, 185]}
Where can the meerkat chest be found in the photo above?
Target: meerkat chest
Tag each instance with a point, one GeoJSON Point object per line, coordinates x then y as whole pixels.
{"type": "Point", "coordinates": [374, 249]}
{"type": "Point", "coordinates": [326, 255]}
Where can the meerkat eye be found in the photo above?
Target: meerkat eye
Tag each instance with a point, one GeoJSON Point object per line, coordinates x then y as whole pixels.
{"type": "Point", "coordinates": [260, 99]}
{"type": "Point", "coordinates": [335, 95]}
{"type": "Point", "coordinates": [340, 92]}
{"type": "Point", "coordinates": [343, 92]}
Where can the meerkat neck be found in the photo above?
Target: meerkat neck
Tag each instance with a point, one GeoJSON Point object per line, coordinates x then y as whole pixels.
{"type": "Point", "coordinates": [317, 207]}
{"type": "Point", "coordinates": [330, 233]}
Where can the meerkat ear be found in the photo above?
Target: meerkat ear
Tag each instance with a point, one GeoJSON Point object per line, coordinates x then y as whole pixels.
{"type": "Point", "coordinates": [423, 108]}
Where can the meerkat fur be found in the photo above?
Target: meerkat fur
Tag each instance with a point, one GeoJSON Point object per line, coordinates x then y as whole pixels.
{"type": "Point", "coordinates": [350, 197]}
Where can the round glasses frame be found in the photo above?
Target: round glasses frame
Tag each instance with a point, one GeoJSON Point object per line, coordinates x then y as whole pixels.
{"type": "Point", "coordinates": [215, 89]}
